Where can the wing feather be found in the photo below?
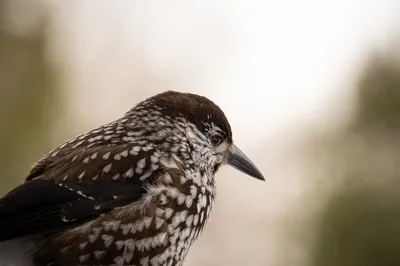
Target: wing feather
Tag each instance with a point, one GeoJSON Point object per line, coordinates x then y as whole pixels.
{"type": "Point", "coordinates": [50, 202]}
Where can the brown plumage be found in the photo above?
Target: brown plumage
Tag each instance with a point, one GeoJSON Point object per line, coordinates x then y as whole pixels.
{"type": "Point", "coordinates": [137, 191]}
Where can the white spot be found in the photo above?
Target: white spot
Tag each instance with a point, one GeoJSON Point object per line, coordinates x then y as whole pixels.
{"type": "Point", "coordinates": [134, 151]}
{"type": "Point", "coordinates": [181, 199]}
{"type": "Point", "coordinates": [147, 221]}
{"type": "Point", "coordinates": [140, 165]}
{"type": "Point", "coordinates": [154, 260]}
{"type": "Point", "coordinates": [187, 232]}
{"type": "Point", "coordinates": [77, 144]}
{"type": "Point", "coordinates": [153, 159]}
{"type": "Point", "coordinates": [124, 153]}
{"type": "Point", "coordinates": [189, 220]}
{"type": "Point", "coordinates": [93, 238]}
{"type": "Point", "coordinates": [173, 238]}
{"type": "Point", "coordinates": [129, 173]}
{"type": "Point", "coordinates": [83, 258]}
{"type": "Point", "coordinates": [106, 156]}
{"type": "Point", "coordinates": [107, 137]}
{"type": "Point", "coordinates": [204, 200]}
{"type": "Point", "coordinates": [183, 215]}
{"type": "Point", "coordinates": [196, 219]}
{"type": "Point", "coordinates": [65, 177]}
{"type": "Point", "coordinates": [193, 191]}
{"type": "Point", "coordinates": [158, 239]}
{"type": "Point", "coordinates": [81, 175]}
{"type": "Point", "coordinates": [147, 148]}
{"type": "Point", "coordinates": [126, 228]}
{"type": "Point", "coordinates": [130, 243]}
{"type": "Point", "coordinates": [108, 239]}
{"type": "Point", "coordinates": [98, 254]}
{"type": "Point", "coordinates": [173, 193]}
{"type": "Point", "coordinates": [159, 223]}
{"type": "Point", "coordinates": [159, 212]}
{"type": "Point", "coordinates": [198, 205]}
{"type": "Point", "coordinates": [128, 256]}
{"type": "Point", "coordinates": [144, 261]}
{"type": "Point", "coordinates": [96, 230]}
{"type": "Point", "coordinates": [168, 213]}
{"type": "Point", "coordinates": [117, 157]}
{"type": "Point", "coordinates": [94, 155]}
{"type": "Point", "coordinates": [146, 175]}
{"type": "Point", "coordinates": [107, 225]}
{"type": "Point", "coordinates": [120, 244]}
{"type": "Point", "coordinates": [182, 179]}
{"type": "Point", "coordinates": [84, 195]}
{"type": "Point", "coordinates": [139, 226]}
{"type": "Point", "coordinates": [107, 168]}
{"type": "Point", "coordinates": [176, 220]}
{"type": "Point", "coordinates": [83, 245]}
{"type": "Point", "coordinates": [168, 178]}
{"type": "Point", "coordinates": [62, 146]}
{"type": "Point", "coordinates": [189, 201]}
{"type": "Point", "coordinates": [86, 160]}
{"type": "Point", "coordinates": [119, 260]}
{"type": "Point", "coordinates": [144, 244]}
{"type": "Point", "coordinates": [168, 163]}
{"type": "Point", "coordinates": [115, 177]}
{"type": "Point", "coordinates": [208, 210]}
{"type": "Point", "coordinates": [95, 177]}
{"type": "Point", "coordinates": [115, 226]}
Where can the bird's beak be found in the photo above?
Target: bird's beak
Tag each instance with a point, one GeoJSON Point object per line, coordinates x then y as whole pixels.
{"type": "Point", "coordinates": [241, 162]}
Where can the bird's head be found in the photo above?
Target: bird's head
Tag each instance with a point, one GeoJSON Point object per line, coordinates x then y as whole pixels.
{"type": "Point", "coordinates": [191, 127]}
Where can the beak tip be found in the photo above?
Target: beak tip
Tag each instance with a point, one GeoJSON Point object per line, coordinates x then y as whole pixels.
{"type": "Point", "coordinates": [242, 163]}
{"type": "Point", "coordinates": [258, 176]}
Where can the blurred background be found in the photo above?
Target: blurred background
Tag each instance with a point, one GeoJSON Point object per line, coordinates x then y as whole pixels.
{"type": "Point", "coordinates": [311, 88]}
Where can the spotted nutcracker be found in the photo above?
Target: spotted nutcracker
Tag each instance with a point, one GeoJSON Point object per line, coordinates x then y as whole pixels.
{"type": "Point", "coordinates": [136, 191]}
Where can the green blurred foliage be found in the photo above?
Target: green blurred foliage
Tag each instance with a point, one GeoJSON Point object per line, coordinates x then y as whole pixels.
{"type": "Point", "coordinates": [27, 101]}
{"type": "Point", "coordinates": [360, 226]}
{"type": "Point", "coordinates": [359, 223]}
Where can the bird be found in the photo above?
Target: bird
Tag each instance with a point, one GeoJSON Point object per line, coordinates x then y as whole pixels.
{"type": "Point", "coordinates": [136, 191]}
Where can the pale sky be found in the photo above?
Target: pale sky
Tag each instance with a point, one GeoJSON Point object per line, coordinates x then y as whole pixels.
{"type": "Point", "coordinates": [269, 64]}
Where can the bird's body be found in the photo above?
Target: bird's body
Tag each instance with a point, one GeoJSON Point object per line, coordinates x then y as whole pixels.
{"type": "Point", "coordinates": [137, 191]}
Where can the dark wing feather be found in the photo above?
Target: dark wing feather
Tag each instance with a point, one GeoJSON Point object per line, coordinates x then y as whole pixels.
{"type": "Point", "coordinates": [40, 206]}
{"type": "Point", "coordinates": [50, 202]}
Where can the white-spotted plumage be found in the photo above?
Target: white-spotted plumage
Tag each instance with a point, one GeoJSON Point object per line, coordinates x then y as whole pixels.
{"type": "Point", "coordinates": [139, 189]}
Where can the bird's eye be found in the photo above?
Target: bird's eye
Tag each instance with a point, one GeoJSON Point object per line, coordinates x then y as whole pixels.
{"type": "Point", "coordinates": [216, 140]}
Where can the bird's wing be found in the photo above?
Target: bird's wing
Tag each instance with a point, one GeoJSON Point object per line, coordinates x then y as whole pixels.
{"type": "Point", "coordinates": [72, 187]}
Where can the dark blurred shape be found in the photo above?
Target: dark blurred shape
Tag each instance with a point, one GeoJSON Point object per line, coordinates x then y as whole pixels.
{"type": "Point", "coordinates": [27, 95]}
{"type": "Point", "coordinates": [359, 223]}
{"type": "Point", "coordinates": [360, 227]}
{"type": "Point", "coordinates": [379, 95]}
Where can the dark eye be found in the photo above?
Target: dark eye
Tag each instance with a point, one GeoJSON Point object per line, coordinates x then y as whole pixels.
{"type": "Point", "coordinates": [216, 140]}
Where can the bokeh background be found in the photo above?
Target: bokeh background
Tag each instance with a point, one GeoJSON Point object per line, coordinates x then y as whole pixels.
{"type": "Point", "coordinates": [311, 88]}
